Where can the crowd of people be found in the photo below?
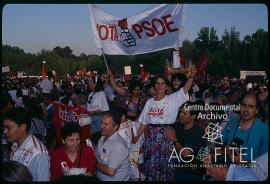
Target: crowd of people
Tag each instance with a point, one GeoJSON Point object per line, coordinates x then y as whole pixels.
{"type": "Point", "coordinates": [34, 148]}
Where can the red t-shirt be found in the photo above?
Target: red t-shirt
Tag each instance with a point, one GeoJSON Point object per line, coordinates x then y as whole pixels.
{"type": "Point", "coordinates": [59, 155]}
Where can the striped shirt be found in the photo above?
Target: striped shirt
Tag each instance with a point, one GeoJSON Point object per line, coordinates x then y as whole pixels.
{"type": "Point", "coordinates": [34, 155]}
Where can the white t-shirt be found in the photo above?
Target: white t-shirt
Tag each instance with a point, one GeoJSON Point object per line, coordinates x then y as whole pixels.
{"type": "Point", "coordinates": [97, 101]}
{"type": "Point", "coordinates": [164, 111]}
{"type": "Point", "coordinates": [46, 86]}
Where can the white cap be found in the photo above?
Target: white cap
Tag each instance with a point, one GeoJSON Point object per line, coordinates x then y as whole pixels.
{"type": "Point", "coordinates": [44, 62]}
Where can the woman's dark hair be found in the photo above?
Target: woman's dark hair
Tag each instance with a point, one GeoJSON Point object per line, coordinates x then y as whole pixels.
{"type": "Point", "coordinates": [70, 128]}
{"type": "Point", "coordinates": [181, 77]}
{"type": "Point", "coordinates": [148, 86]}
{"type": "Point", "coordinates": [5, 102]}
{"type": "Point", "coordinates": [34, 109]}
{"type": "Point", "coordinates": [20, 116]}
{"type": "Point", "coordinates": [65, 100]}
{"type": "Point", "coordinates": [99, 84]}
{"type": "Point", "coordinates": [133, 85]}
{"type": "Point", "coordinates": [13, 171]}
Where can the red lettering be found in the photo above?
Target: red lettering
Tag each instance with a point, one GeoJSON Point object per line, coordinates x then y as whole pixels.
{"type": "Point", "coordinates": [106, 32]}
{"type": "Point", "coordinates": [162, 25]}
{"type": "Point", "coordinates": [112, 29]}
{"type": "Point", "coordinates": [156, 26]}
{"type": "Point", "coordinates": [138, 29]}
{"type": "Point", "coordinates": [167, 24]}
{"type": "Point", "coordinates": [152, 32]}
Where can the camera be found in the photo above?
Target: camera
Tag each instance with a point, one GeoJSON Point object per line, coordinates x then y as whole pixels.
{"type": "Point", "coordinates": [236, 143]}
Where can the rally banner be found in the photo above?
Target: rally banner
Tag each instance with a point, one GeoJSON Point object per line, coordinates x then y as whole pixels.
{"type": "Point", "coordinates": [5, 69]}
{"type": "Point", "coordinates": [66, 114]}
{"type": "Point", "coordinates": [157, 28]}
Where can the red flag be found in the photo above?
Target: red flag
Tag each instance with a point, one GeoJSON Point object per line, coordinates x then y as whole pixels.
{"type": "Point", "coordinates": [143, 74]}
{"type": "Point", "coordinates": [44, 70]}
{"type": "Point", "coordinates": [202, 65]}
{"type": "Point", "coordinates": [182, 60]}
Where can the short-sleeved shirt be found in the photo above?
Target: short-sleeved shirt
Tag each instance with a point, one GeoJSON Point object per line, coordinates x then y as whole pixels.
{"type": "Point", "coordinates": [85, 159]}
{"type": "Point", "coordinates": [113, 153]}
{"type": "Point", "coordinates": [255, 138]}
{"type": "Point", "coordinates": [46, 85]}
{"type": "Point", "coordinates": [34, 155]}
{"type": "Point", "coordinates": [97, 101]}
{"type": "Point", "coordinates": [163, 111]}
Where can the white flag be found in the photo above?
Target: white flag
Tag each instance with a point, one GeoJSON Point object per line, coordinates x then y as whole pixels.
{"type": "Point", "coordinates": [157, 28]}
{"type": "Point", "coordinates": [176, 59]}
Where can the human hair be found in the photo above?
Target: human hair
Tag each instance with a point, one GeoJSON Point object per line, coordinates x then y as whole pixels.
{"type": "Point", "coordinates": [13, 171]}
{"type": "Point", "coordinates": [49, 74]}
{"type": "Point", "coordinates": [192, 110]}
{"type": "Point", "coordinates": [99, 84]}
{"type": "Point", "coordinates": [161, 77]}
{"type": "Point", "coordinates": [34, 109]}
{"type": "Point", "coordinates": [70, 128]}
{"type": "Point", "coordinates": [258, 103]}
{"type": "Point", "coordinates": [148, 86]}
{"type": "Point", "coordinates": [20, 116]}
{"type": "Point", "coordinates": [115, 116]}
{"type": "Point", "coordinates": [181, 77]}
{"type": "Point", "coordinates": [133, 85]}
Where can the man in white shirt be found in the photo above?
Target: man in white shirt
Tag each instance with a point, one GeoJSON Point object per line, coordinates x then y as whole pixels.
{"type": "Point", "coordinates": [26, 148]}
{"type": "Point", "coordinates": [47, 84]}
{"type": "Point", "coordinates": [112, 152]}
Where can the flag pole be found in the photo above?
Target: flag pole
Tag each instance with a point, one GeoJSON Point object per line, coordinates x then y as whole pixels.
{"type": "Point", "coordinates": [105, 61]}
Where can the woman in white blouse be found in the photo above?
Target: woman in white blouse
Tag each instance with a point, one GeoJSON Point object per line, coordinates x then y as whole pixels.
{"type": "Point", "coordinates": [158, 113]}
{"type": "Point", "coordinates": [97, 103]}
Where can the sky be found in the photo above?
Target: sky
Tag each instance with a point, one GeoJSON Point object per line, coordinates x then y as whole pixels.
{"type": "Point", "coordinates": [34, 27]}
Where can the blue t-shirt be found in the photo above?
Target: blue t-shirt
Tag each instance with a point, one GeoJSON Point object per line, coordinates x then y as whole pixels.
{"type": "Point", "coordinates": [255, 138]}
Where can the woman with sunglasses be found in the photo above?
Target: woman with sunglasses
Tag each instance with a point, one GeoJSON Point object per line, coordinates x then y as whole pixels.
{"type": "Point", "coordinates": [97, 103]}
{"type": "Point", "coordinates": [160, 112]}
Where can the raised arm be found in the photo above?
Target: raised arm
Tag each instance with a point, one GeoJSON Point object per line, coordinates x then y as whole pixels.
{"type": "Point", "coordinates": [119, 90]}
{"type": "Point", "coordinates": [189, 82]}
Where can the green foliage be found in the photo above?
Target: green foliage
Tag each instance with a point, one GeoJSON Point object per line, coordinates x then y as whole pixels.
{"type": "Point", "coordinates": [224, 57]}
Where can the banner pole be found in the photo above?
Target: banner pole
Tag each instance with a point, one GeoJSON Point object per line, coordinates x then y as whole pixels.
{"type": "Point", "coordinates": [105, 61]}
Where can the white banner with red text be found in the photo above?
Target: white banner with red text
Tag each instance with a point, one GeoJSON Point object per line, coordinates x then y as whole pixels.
{"type": "Point", "coordinates": [160, 27]}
